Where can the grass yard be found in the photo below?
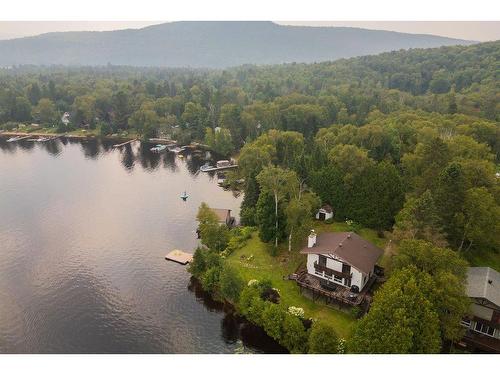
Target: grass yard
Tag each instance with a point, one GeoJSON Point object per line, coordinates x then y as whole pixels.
{"type": "Point", "coordinates": [254, 261]}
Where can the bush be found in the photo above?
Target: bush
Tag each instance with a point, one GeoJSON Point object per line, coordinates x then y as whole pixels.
{"type": "Point", "coordinates": [273, 318]}
{"type": "Point", "coordinates": [210, 279]}
{"type": "Point", "coordinates": [198, 264]}
{"type": "Point", "coordinates": [294, 334]}
{"type": "Point", "coordinates": [322, 339]}
{"type": "Point", "coordinates": [231, 284]}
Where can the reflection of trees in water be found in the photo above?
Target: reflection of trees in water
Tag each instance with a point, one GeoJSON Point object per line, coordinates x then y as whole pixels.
{"type": "Point", "coordinates": [107, 145]}
{"type": "Point", "coordinates": [234, 327]}
{"type": "Point", "coordinates": [7, 146]}
{"type": "Point", "coordinates": [130, 154]}
{"type": "Point", "coordinates": [149, 160]}
{"type": "Point", "coordinates": [127, 157]}
{"type": "Point", "coordinates": [52, 147]}
{"type": "Point", "coordinates": [169, 161]}
{"type": "Point", "coordinates": [90, 148]}
{"type": "Point", "coordinates": [25, 145]}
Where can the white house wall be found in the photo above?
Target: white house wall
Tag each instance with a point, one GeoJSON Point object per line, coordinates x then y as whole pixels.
{"type": "Point", "coordinates": [481, 312]}
{"type": "Point", "coordinates": [357, 276]}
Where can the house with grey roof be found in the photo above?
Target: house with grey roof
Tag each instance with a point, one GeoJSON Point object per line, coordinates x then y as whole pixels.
{"type": "Point", "coordinates": [483, 321]}
{"type": "Point", "coordinates": [341, 258]}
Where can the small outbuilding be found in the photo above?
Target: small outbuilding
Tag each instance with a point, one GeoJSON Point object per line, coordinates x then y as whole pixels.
{"type": "Point", "coordinates": [325, 213]}
{"type": "Point", "coordinates": [224, 216]}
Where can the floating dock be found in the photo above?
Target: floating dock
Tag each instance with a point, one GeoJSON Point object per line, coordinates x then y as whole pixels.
{"type": "Point", "coordinates": [219, 168]}
{"type": "Point", "coordinates": [179, 256]}
{"type": "Point", "coordinates": [124, 143]}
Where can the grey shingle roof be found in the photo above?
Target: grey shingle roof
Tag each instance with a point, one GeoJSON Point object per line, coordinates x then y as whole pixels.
{"type": "Point", "coordinates": [484, 282]}
{"type": "Point", "coordinates": [348, 246]}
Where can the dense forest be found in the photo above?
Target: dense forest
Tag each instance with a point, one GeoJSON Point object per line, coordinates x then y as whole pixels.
{"type": "Point", "coordinates": [406, 143]}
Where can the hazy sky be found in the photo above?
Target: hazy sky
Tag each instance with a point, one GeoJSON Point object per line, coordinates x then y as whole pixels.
{"type": "Point", "coordinates": [480, 31]}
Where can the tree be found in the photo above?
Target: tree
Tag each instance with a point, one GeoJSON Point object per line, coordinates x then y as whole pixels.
{"type": "Point", "coordinates": [479, 221]}
{"type": "Point", "coordinates": [21, 110]}
{"type": "Point", "coordinates": [198, 266]}
{"type": "Point", "coordinates": [375, 196]}
{"type": "Point", "coordinates": [213, 235]}
{"type": "Point", "coordinates": [231, 284]}
{"type": "Point", "coordinates": [298, 215]}
{"type": "Point", "coordinates": [85, 109]}
{"type": "Point", "coordinates": [45, 111]}
{"type": "Point", "coordinates": [446, 289]}
{"type": "Point", "coordinates": [194, 117]}
{"type": "Point", "coordinates": [322, 339]}
{"type": "Point", "coordinates": [350, 160]}
{"type": "Point", "coordinates": [449, 196]}
{"type": "Point", "coordinates": [145, 121]}
{"type": "Point", "coordinates": [220, 141]}
{"type": "Point", "coordinates": [230, 119]}
{"type": "Point", "coordinates": [265, 218]}
{"type": "Point", "coordinates": [276, 181]}
{"type": "Point", "coordinates": [401, 318]}
{"type": "Point", "coordinates": [418, 219]}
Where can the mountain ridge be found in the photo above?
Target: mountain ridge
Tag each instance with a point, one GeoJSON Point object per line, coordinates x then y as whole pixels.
{"type": "Point", "coordinates": [210, 44]}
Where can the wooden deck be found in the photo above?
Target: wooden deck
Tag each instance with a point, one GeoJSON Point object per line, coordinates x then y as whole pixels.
{"type": "Point", "coordinates": [341, 294]}
{"type": "Point", "coordinates": [179, 256]}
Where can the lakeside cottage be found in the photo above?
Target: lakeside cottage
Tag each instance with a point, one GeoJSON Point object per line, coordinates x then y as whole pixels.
{"type": "Point", "coordinates": [343, 258]}
{"type": "Point", "coordinates": [483, 321]}
{"type": "Point", "coordinates": [325, 213]}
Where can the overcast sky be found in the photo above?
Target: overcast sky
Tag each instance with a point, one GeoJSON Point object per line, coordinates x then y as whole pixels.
{"type": "Point", "coordinates": [480, 31]}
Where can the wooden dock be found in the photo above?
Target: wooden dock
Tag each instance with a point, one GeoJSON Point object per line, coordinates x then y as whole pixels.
{"type": "Point", "coordinates": [179, 256]}
{"type": "Point", "coordinates": [124, 143]}
{"type": "Point", "coordinates": [219, 168]}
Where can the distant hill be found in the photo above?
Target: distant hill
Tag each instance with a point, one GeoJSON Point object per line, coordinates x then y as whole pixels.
{"type": "Point", "coordinates": [209, 44]}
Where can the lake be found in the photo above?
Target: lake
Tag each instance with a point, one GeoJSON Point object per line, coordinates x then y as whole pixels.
{"type": "Point", "coordinates": [84, 229]}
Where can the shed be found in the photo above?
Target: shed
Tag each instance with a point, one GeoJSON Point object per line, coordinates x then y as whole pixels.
{"type": "Point", "coordinates": [325, 213]}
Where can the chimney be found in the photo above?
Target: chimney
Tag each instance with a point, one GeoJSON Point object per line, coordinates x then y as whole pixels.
{"type": "Point", "coordinates": [311, 240]}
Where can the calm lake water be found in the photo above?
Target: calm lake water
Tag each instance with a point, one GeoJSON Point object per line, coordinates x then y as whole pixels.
{"type": "Point", "coordinates": [84, 229]}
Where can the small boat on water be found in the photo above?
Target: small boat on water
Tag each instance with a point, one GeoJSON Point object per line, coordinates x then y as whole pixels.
{"type": "Point", "coordinates": [13, 139]}
{"type": "Point", "coordinates": [158, 148]}
{"type": "Point", "coordinates": [205, 167]}
{"type": "Point", "coordinates": [177, 150]}
{"type": "Point", "coordinates": [184, 196]}
{"type": "Point", "coordinates": [43, 139]}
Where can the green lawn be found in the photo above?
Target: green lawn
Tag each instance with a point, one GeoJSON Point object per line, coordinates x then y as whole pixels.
{"type": "Point", "coordinates": [262, 265]}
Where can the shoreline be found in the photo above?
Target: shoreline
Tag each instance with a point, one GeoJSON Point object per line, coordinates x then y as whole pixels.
{"type": "Point", "coordinates": [164, 141]}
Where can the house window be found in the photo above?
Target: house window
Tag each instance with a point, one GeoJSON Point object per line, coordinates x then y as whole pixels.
{"type": "Point", "coordinates": [322, 260]}
{"type": "Point", "coordinates": [337, 278]}
{"type": "Point", "coordinates": [346, 268]}
{"type": "Point", "coordinates": [484, 329]}
{"type": "Point", "coordinates": [465, 322]}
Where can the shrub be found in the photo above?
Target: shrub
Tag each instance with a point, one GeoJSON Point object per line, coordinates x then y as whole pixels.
{"type": "Point", "coordinates": [296, 311]}
{"type": "Point", "coordinates": [322, 339]}
{"type": "Point", "coordinates": [256, 310]}
{"type": "Point", "coordinates": [246, 297]}
{"type": "Point", "coordinates": [198, 264]}
{"type": "Point", "coordinates": [231, 284]}
{"type": "Point", "coordinates": [273, 318]}
{"type": "Point", "coordinates": [210, 279]}
{"type": "Point", "coordinates": [294, 334]}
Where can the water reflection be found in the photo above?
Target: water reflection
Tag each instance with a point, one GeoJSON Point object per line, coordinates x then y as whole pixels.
{"type": "Point", "coordinates": [84, 228]}
{"type": "Point", "coordinates": [236, 328]}
{"type": "Point", "coordinates": [130, 154]}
